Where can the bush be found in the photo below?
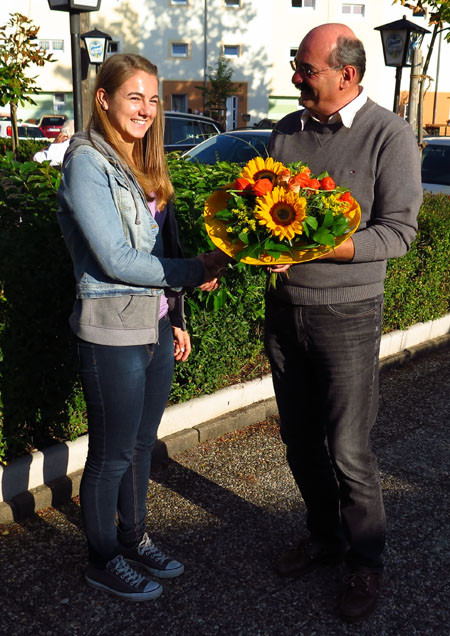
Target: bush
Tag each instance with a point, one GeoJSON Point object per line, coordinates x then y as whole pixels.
{"type": "Point", "coordinates": [26, 149]}
{"type": "Point", "coordinates": [236, 330]}
{"type": "Point", "coordinates": [417, 285]}
{"type": "Point", "coordinates": [39, 388]}
{"type": "Point", "coordinates": [38, 384]}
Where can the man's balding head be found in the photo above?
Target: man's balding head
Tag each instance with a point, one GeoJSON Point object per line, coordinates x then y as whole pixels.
{"type": "Point", "coordinates": [341, 45]}
{"type": "Point", "coordinates": [330, 63]}
{"type": "Point", "coordinates": [328, 34]}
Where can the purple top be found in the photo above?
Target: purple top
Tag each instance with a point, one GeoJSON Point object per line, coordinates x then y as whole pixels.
{"type": "Point", "coordinates": [160, 217]}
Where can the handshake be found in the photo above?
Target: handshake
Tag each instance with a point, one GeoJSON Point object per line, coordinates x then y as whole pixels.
{"type": "Point", "coordinates": [215, 263]}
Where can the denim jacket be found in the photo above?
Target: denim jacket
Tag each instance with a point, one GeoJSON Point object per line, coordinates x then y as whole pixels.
{"type": "Point", "coordinates": [116, 246]}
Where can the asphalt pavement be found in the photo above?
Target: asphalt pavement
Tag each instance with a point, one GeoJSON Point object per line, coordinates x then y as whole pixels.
{"type": "Point", "coordinates": [227, 508]}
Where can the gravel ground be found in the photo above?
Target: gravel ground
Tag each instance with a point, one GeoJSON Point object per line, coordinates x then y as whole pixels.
{"type": "Point", "coordinates": [226, 509]}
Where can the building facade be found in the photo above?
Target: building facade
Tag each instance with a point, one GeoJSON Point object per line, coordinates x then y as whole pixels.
{"type": "Point", "coordinates": [185, 38]}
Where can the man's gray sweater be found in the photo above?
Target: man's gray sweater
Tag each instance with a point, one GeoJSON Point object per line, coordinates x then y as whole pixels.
{"type": "Point", "coordinates": [377, 159]}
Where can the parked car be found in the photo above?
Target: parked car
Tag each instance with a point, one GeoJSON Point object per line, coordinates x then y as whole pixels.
{"type": "Point", "coordinates": [5, 126]}
{"type": "Point", "coordinates": [51, 125]}
{"type": "Point", "coordinates": [30, 131]}
{"type": "Point", "coordinates": [436, 164]}
{"type": "Point", "coordinates": [25, 131]}
{"type": "Point", "coordinates": [237, 146]}
{"type": "Point", "coordinates": [184, 130]}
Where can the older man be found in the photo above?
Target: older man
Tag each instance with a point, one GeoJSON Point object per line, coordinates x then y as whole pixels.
{"type": "Point", "coordinates": [323, 319]}
{"type": "Point", "coordinates": [56, 150]}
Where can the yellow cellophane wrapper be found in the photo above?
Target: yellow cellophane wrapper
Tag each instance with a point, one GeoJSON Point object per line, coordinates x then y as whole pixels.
{"type": "Point", "coordinates": [217, 232]}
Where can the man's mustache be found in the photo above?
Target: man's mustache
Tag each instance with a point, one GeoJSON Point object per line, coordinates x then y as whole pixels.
{"type": "Point", "coordinates": [302, 88]}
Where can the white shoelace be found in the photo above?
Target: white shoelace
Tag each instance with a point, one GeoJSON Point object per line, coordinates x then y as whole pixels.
{"type": "Point", "coordinates": [120, 567]}
{"type": "Point", "coordinates": [147, 547]}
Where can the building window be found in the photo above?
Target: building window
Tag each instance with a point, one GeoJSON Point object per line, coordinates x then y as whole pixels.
{"type": "Point", "coordinates": [59, 102]}
{"type": "Point", "coordinates": [52, 45]}
{"type": "Point", "coordinates": [233, 3]}
{"type": "Point", "coordinates": [304, 4]}
{"type": "Point", "coordinates": [231, 50]}
{"type": "Point", "coordinates": [353, 9]}
{"type": "Point", "coordinates": [179, 2]}
{"type": "Point", "coordinates": [179, 49]}
{"type": "Point", "coordinates": [179, 103]}
{"type": "Point", "coordinates": [57, 45]}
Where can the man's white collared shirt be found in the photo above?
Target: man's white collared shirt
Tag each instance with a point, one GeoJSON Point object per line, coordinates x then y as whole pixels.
{"type": "Point", "coordinates": [345, 115]}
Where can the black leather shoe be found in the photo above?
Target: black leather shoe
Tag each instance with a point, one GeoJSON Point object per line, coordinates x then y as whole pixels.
{"type": "Point", "coordinates": [359, 595]}
{"type": "Point", "coordinates": [307, 556]}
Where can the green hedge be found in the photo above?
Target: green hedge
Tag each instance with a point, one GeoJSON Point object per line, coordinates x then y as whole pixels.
{"type": "Point", "coordinates": [26, 149]}
{"type": "Point", "coordinates": [37, 390]}
{"type": "Point", "coordinates": [417, 286]}
{"type": "Point", "coordinates": [40, 397]}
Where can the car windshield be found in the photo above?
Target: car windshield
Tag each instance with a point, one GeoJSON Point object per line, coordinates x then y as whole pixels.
{"type": "Point", "coordinates": [436, 164]}
{"type": "Point", "coordinates": [52, 121]}
{"type": "Point", "coordinates": [230, 148]}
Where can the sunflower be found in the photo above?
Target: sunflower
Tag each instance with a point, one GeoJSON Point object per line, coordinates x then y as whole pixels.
{"type": "Point", "coordinates": [281, 212]}
{"type": "Point", "coordinates": [259, 168]}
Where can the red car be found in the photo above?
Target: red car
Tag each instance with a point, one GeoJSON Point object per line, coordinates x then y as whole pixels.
{"type": "Point", "coordinates": [51, 125]}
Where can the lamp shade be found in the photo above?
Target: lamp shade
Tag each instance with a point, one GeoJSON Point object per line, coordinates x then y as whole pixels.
{"type": "Point", "coordinates": [74, 5]}
{"type": "Point", "coordinates": [399, 40]}
{"type": "Point", "coordinates": [96, 45]}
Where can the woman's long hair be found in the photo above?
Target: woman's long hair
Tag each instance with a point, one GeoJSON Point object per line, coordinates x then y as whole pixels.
{"type": "Point", "coordinates": [149, 163]}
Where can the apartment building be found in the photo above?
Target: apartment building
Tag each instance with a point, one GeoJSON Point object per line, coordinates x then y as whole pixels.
{"type": "Point", "coordinates": [185, 38]}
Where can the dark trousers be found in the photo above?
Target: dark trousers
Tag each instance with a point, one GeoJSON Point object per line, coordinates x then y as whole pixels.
{"type": "Point", "coordinates": [324, 363]}
{"type": "Point", "coordinates": [126, 390]}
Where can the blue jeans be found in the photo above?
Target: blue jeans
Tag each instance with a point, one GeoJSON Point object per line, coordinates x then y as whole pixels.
{"type": "Point", "coordinates": [324, 362]}
{"type": "Point", "coordinates": [126, 390]}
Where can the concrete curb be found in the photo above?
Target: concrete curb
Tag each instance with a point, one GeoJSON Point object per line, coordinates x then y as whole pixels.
{"type": "Point", "coordinates": [48, 478]}
{"type": "Point", "coordinates": [61, 489]}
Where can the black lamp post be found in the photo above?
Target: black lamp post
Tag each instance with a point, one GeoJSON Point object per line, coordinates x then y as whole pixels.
{"type": "Point", "coordinates": [96, 43]}
{"type": "Point", "coordinates": [399, 40]}
{"type": "Point", "coordinates": [205, 53]}
{"type": "Point", "coordinates": [75, 7]}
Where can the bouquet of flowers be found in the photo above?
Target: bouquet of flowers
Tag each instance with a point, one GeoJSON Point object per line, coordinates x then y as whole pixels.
{"type": "Point", "coordinates": [275, 213]}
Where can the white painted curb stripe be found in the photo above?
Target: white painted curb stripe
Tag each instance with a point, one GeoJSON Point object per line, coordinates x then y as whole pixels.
{"type": "Point", "coordinates": [39, 468]}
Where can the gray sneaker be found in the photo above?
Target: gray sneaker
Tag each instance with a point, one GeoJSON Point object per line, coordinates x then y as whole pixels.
{"type": "Point", "coordinates": [150, 557]}
{"type": "Point", "coordinates": [121, 579]}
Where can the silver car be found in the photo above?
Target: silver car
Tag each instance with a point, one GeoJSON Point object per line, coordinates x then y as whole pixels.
{"type": "Point", "coordinates": [24, 130]}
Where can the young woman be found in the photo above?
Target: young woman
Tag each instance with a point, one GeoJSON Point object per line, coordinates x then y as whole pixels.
{"type": "Point", "coordinates": [120, 230]}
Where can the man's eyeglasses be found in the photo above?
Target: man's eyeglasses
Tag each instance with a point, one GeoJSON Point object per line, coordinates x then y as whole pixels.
{"type": "Point", "coordinates": [307, 71]}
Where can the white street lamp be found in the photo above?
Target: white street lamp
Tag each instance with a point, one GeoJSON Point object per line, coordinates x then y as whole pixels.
{"type": "Point", "coordinates": [96, 43]}
{"type": "Point", "coordinates": [399, 40]}
{"type": "Point", "coordinates": [74, 5]}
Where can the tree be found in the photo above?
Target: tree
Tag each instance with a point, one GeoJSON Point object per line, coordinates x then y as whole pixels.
{"type": "Point", "coordinates": [18, 51]}
{"type": "Point", "coordinates": [439, 15]}
{"type": "Point", "coordinates": [220, 86]}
